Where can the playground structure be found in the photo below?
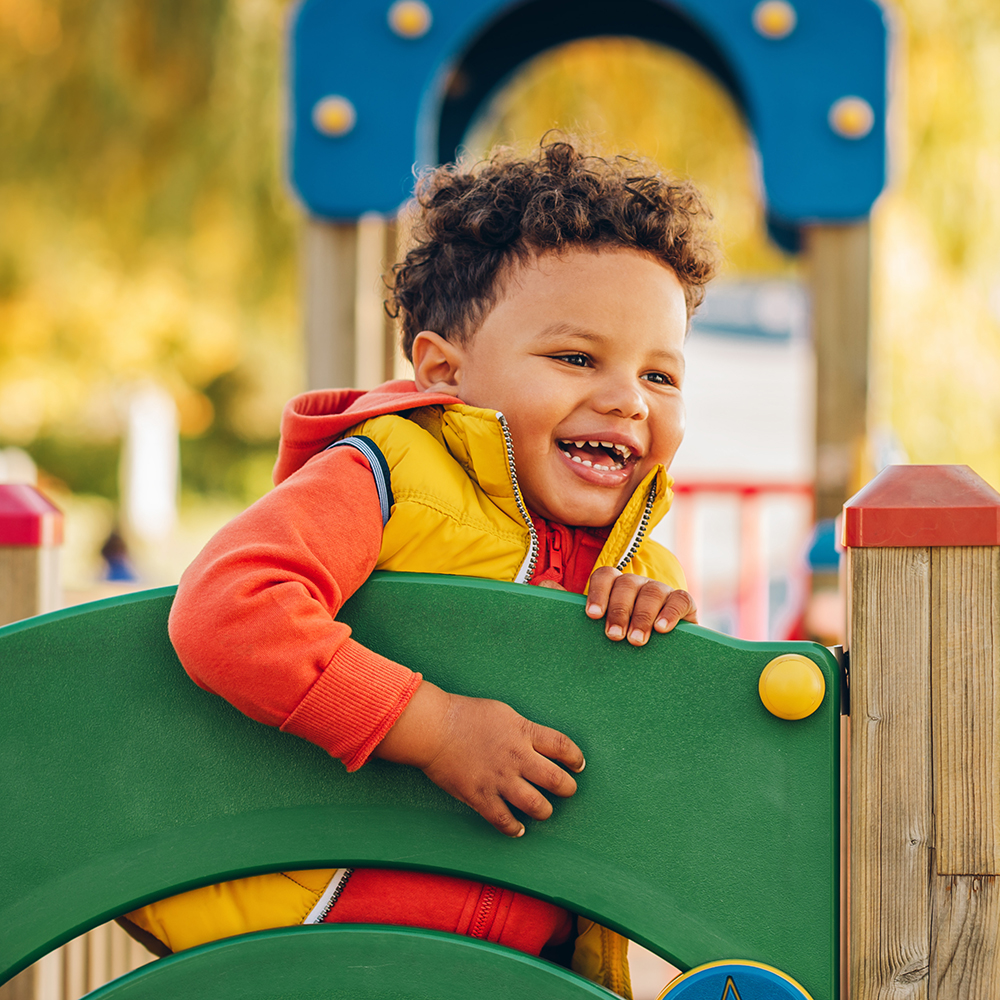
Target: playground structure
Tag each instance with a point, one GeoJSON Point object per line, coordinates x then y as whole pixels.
{"type": "Point", "coordinates": [707, 827]}
{"type": "Point", "coordinates": [379, 88]}
{"type": "Point", "coordinates": [810, 78]}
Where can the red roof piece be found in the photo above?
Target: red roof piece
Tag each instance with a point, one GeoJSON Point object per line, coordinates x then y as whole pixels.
{"type": "Point", "coordinates": [27, 517]}
{"type": "Point", "coordinates": [915, 505]}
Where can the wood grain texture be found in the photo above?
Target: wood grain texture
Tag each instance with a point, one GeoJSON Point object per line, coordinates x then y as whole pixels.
{"type": "Point", "coordinates": [965, 639]}
{"type": "Point", "coordinates": [964, 952]}
{"type": "Point", "coordinates": [838, 257]}
{"type": "Point", "coordinates": [891, 817]}
{"type": "Point", "coordinates": [21, 582]}
{"type": "Point", "coordinates": [330, 253]}
{"type": "Point", "coordinates": [391, 356]}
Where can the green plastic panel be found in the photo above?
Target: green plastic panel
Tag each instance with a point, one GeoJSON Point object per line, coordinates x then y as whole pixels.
{"type": "Point", "coordinates": [351, 963]}
{"type": "Point", "coordinates": [704, 827]}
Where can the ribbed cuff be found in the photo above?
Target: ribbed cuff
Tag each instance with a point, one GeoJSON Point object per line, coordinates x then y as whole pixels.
{"type": "Point", "coordinates": [353, 704]}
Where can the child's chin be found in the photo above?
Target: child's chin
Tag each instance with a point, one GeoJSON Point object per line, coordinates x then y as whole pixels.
{"type": "Point", "coordinates": [587, 515]}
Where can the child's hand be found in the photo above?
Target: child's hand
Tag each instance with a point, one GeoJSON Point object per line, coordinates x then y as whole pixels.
{"type": "Point", "coordinates": [635, 605]}
{"type": "Point", "coordinates": [484, 754]}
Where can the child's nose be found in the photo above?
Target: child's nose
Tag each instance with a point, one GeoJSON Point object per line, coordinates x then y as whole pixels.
{"type": "Point", "coordinates": [622, 396]}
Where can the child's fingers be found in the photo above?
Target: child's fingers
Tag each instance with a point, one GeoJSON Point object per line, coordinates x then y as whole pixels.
{"type": "Point", "coordinates": [599, 590]}
{"type": "Point", "coordinates": [652, 597]}
{"type": "Point", "coordinates": [542, 772]}
{"type": "Point", "coordinates": [621, 603]}
{"type": "Point", "coordinates": [528, 799]}
{"type": "Point", "coordinates": [494, 810]}
{"type": "Point", "coordinates": [556, 746]}
{"type": "Point", "coordinates": [679, 606]}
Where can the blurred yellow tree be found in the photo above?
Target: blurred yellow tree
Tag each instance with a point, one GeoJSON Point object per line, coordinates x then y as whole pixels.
{"type": "Point", "coordinates": [937, 239]}
{"type": "Point", "coordinates": [629, 96]}
{"type": "Point", "coordinates": [145, 231]}
{"type": "Point", "coordinates": [936, 280]}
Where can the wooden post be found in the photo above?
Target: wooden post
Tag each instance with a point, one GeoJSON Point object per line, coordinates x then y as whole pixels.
{"type": "Point", "coordinates": [349, 339]}
{"type": "Point", "coordinates": [391, 357]}
{"type": "Point", "coordinates": [839, 265]}
{"type": "Point", "coordinates": [331, 277]}
{"type": "Point", "coordinates": [30, 534]}
{"type": "Point", "coordinates": [923, 547]}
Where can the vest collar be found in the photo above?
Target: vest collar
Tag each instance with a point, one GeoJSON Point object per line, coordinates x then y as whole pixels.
{"type": "Point", "coordinates": [475, 439]}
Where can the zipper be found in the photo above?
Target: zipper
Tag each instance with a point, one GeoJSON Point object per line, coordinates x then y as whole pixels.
{"type": "Point", "coordinates": [527, 570]}
{"type": "Point", "coordinates": [555, 551]}
{"type": "Point", "coordinates": [330, 896]}
{"type": "Point", "coordinates": [487, 901]}
{"type": "Point", "coordinates": [640, 531]}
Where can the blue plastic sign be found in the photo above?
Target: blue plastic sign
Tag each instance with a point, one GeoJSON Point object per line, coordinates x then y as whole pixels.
{"type": "Point", "coordinates": [734, 981]}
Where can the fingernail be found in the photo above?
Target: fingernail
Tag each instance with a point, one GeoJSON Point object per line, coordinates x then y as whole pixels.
{"type": "Point", "coordinates": [615, 631]}
{"type": "Point", "coordinates": [594, 609]}
{"type": "Point", "coordinates": [581, 767]}
{"type": "Point", "coordinates": [636, 636]}
{"type": "Point", "coordinates": [661, 623]}
{"type": "Point", "coordinates": [520, 833]}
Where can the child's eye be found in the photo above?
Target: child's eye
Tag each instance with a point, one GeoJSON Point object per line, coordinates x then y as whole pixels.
{"type": "Point", "coordinates": [580, 360]}
{"type": "Point", "coordinates": [660, 378]}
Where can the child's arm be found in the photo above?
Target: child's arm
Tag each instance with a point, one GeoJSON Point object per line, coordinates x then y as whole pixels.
{"type": "Point", "coordinates": [635, 605]}
{"type": "Point", "coordinates": [254, 621]}
{"type": "Point", "coordinates": [484, 754]}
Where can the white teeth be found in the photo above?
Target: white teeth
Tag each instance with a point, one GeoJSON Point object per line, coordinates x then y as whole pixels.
{"type": "Point", "coordinates": [618, 449]}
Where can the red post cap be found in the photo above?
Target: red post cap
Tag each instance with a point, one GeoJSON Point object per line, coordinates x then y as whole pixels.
{"type": "Point", "coordinates": [916, 505]}
{"type": "Point", "coordinates": [27, 517]}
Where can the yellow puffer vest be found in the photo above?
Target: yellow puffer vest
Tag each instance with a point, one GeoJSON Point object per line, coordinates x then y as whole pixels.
{"type": "Point", "coordinates": [456, 509]}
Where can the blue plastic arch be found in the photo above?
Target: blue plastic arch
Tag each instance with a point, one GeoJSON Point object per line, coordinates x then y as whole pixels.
{"type": "Point", "coordinates": [413, 98]}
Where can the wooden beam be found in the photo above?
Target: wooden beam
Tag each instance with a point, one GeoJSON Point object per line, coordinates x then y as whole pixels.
{"type": "Point", "coordinates": [330, 290]}
{"type": "Point", "coordinates": [891, 827]}
{"type": "Point", "coordinates": [391, 356]}
{"type": "Point", "coordinates": [965, 649]}
{"type": "Point", "coordinates": [839, 260]}
{"type": "Point", "coordinates": [924, 638]}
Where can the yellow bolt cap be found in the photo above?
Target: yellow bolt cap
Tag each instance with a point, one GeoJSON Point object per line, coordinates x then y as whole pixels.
{"type": "Point", "coordinates": [852, 117]}
{"type": "Point", "coordinates": [774, 19]}
{"type": "Point", "coordinates": [410, 18]}
{"type": "Point", "coordinates": [791, 686]}
{"type": "Point", "coordinates": [334, 115]}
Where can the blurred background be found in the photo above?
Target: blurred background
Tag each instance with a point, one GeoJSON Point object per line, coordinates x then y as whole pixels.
{"type": "Point", "coordinates": [150, 290]}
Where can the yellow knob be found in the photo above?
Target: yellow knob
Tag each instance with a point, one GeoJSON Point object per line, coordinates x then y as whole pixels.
{"type": "Point", "coordinates": [791, 686]}
{"type": "Point", "coordinates": [334, 115]}
{"type": "Point", "coordinates": [410, 18]}
{"type": "Point", "coordinates": [852, 117]}
{"type": "Point", "coordinates": [774, 18]}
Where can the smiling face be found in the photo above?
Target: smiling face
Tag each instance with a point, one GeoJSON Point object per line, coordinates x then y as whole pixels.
{"type": "Point", "coordinates": [583, 354]}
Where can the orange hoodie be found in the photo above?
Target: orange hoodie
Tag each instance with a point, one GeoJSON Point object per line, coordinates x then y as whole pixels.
{"type": "Point", "coordinates": [254, 619]}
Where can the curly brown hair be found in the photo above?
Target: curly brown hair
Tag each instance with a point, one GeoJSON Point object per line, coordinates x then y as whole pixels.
{"type": "Point", "coordinates": [474, 223]}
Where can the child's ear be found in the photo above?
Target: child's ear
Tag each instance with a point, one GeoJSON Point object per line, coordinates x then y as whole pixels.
{"type": "Point", "coordinates": [437, 363]}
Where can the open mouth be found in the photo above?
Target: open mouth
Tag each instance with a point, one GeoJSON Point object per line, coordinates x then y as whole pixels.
{"type": "Point", "coordinates": [597, 454]}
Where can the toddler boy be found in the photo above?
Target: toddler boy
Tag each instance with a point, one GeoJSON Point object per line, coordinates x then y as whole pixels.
{"type": "Point", "coordinates": [544, 306]}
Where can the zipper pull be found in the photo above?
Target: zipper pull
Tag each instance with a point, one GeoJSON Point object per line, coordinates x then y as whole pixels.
{"type": "Point", "coordinates": [555, 551]}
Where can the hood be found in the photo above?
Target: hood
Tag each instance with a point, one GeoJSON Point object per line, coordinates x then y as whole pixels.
{"type": "Point", "coordinates": [314, 419]}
